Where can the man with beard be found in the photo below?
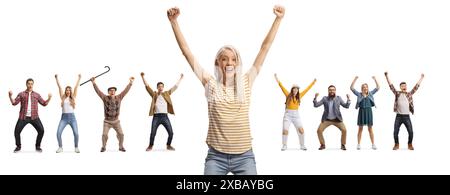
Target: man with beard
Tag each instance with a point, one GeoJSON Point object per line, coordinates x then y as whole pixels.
{"type": "Point", "coordinates": [332, 115]}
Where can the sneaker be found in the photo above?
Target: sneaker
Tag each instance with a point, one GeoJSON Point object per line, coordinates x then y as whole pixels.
{"type": "Point", "coordinates": [38, 149]}
{"type": "Point", "coordinates": [374, 147]}
{"type": "Point", "coordinates": [103, 149]}
{"type": "Point", "coordinates": [169, 147]}
{"type": "Point", "coordinates": [410, 147]}
{"type": "Point", "coordinates": [358, 147]}
{"type": "Point", "coordinates": [149, 148]}
{"type": "Point", "coordinates": [17, 149]}
{"type": "Point", "coordinates": [303, 148]}
{"type": "Point", "coordinates": [343, 147]}
{"type": "Point", "coordinates": [322, 147]}
{"type": "Point", "coordinates": [396, 147]}
{"type": "Point", "coordinates": [284, 148]}
{"type": "Point", "coordinates": [59, 150]}
{"type": "Point", "coordinates": [77, 150]}
{"type": "Point", "coordinates": [122, 149]}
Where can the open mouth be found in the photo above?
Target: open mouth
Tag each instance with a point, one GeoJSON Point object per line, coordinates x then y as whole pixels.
{"type": "Point", "coordinates": [229, 68]}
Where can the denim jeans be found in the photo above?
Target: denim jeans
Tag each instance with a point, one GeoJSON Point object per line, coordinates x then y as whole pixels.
{"type": "Point", "coordinates": [403, 119]}
{"type": "Point", "coordinates": [67, 119]}
{"type": "Point", "coordinates": [218, 163]}
{"type": "Point", "coordinates": [161, 119]}
{"type": "Point", "coordinates": [37, 124]}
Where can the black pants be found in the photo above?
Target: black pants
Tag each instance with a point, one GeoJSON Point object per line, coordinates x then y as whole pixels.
{"type": "Point", "coordinates": [36, 124]}
{"type": "Point", "coordinates": [161, 119]}
{"type": "Point", "coordinates": [403, 119]}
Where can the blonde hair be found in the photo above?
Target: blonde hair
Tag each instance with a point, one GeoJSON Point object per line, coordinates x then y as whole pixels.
{"type": "Point", "coordinates": [238, 81]}
{"type": "Point", "coordinates": [365, 84]}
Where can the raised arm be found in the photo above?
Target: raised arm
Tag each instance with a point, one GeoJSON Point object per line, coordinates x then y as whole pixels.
{"type": "Point", "coordinates": [285, 91]}
{"type": "Point", "coordinates": [416, 87]}
{"type": "Point", "coordinates": [377, 85]}
{"type": "Point", "coordinates": [60, 90]}
{"type": "Point", "coordinates": [345, 104]}
{"type": "Point", "coordinates": [267, 43]}
{"type": "Point", "coordinates": [97, 90]}
{"type": "Point", "coordinates": [303, 93]}
{"type": "Point", "coordinates": [175, 87]}
{"type": "Point", "coordinates": [147, 86]}
{"type": "Point", "coordinates": [317, 103]}
{"type": "Point", "coordinates": [15, 101]}
{"type": "Point", "coordinates": [390, 83]}
{"type": "Point", "coordinates": [45, 102]}
{"type": "Point", "coordinates": [173, 14]}
{"type": "Point", "coordinates": [127, 88]}
{"type": "Point", "coordinates": [75, 89]}
{"type": "Point", "coordinates": [352, 86]}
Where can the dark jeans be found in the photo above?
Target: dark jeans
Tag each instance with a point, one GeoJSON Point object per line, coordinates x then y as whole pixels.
{"type": "Point", "coordinates": [403, 119]}
{"type": "Point", "coordinates": [161, 119]}
{"type": "Point", "coordinates": [36, 124]}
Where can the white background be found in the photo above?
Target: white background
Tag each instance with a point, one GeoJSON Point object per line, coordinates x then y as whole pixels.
{"type": "Point", "coordinates": [329, 40]}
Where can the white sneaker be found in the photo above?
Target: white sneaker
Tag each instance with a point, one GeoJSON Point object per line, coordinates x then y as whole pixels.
{"type": "Point", "coordinates": [59, 150]}
{"type": "Point", "coordinates": [77, 150]}
{"type": "Point", "coordinates": [303, 148]}
{"type": "Point", "coordinates": [284, 148]}
{"type": "Point", "coordinates": [358, 147]}
{"type": "Point", "coordinates": [374, 147]}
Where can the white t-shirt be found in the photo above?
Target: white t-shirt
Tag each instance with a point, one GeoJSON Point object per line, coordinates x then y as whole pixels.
{"type": "Point", "coordinates": [161, 105]}
{"type": "Point", "coordinates": [29, 105]}
{"type": "Point", "coordinates": [67, 108]}
{"type": "Point", "coordinates": [402, 104]}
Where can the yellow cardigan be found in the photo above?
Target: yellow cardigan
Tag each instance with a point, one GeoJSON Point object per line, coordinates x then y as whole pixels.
{"type": "Point", "coordinates": [294, 104]}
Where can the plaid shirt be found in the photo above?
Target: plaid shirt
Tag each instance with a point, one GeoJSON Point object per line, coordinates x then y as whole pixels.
{"type": "Point", "coordinates": [408, 96]}
{"type": "Point", "coordinates": [22, 98]}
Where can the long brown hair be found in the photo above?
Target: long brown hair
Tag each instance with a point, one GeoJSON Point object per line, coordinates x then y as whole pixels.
{"type": "Point", "coordinates": [71, 98]}
{"type": "Point", "coordinates": [292, 97]}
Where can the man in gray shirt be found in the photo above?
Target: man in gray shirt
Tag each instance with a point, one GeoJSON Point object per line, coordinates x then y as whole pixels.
{"type": "Point", "coordinates": [332, 115]}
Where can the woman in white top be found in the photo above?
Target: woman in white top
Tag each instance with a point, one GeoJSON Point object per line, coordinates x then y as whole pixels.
{"type": "Point", "coordinates": [68, 116]}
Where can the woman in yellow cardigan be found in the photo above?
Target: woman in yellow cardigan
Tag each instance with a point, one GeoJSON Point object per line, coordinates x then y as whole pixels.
{"type": "Point", "coordinates": [291, 114]}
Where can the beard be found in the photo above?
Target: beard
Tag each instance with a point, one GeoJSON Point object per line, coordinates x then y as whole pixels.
{"type": "Point", "coordinates": [331, 95]}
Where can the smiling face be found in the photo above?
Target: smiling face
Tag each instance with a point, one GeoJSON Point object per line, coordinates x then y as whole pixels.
{"type": "Point", "coordinates": [160, 87]}
{"type": "Point", "coordinates": [365, 88]}
{"type": "Point", "coordinates": [331, 91]}
{"type": "Point", "coordinates": [68, 91]}
{"type": "Point", "coordinates": [227, 62]}
{"type": "Point", "coordinates": [294, 91]}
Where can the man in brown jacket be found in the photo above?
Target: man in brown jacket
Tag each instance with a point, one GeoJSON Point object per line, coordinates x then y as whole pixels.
{"type": "Point", "coordinates": [160, 107]}
{"type": "Point", "coordinates": [111, 104]}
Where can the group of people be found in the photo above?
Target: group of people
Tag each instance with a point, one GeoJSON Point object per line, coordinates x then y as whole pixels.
{"type": "Point", "coordinates": [29, 99]}
{"type": "Point", "coordinates": [228, 94]}
{"type": "Point", "coordinates": [403, 106]}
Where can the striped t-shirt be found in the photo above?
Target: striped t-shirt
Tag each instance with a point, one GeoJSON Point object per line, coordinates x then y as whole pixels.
{"type": "Point", "coordinates": [229, 126]}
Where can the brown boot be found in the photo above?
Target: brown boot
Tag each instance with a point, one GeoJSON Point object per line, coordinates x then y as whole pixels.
{"type": "Point", "coordinates": [169, 147]}
{"type": "Point", "coordinates": [150, 147]}
{"type": "Point", "coordinates": [410, 147]}
{"type": "Point", "coordinates": [322, 146]}
{"type": "Point", "coordinates": [396, 147]}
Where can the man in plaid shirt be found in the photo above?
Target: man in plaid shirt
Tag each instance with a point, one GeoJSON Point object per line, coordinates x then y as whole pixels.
{"type": "Point", "coordinates": [403, 105]}
{"type": "Point", "coordinates": [29, 100]}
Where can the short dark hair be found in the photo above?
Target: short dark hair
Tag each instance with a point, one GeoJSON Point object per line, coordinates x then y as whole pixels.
{"type": "Point", "coordinates": [331, 86]}
{"type": "Point", "coordinates": [159, 83]}
{"type": "Point", "coordinates": [402, 83]}
{"type": "Point", "coordinates": [30, 79]}
{"type": "Point", "coordinates": [115, 89]}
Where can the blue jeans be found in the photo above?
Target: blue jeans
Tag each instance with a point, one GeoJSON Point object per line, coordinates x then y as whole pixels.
{"type": "Point", "coordinates": [218, 163]}
{"type": "Point", "coordinates": [403, 119]}
{"type": "Point", "coordinates": [161, 119]}
{"type": "Point", "coordinates": [67, 119]}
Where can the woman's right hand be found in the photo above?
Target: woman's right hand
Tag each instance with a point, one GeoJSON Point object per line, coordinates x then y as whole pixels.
{"type": "Point", "coordinates": [173, 13]}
